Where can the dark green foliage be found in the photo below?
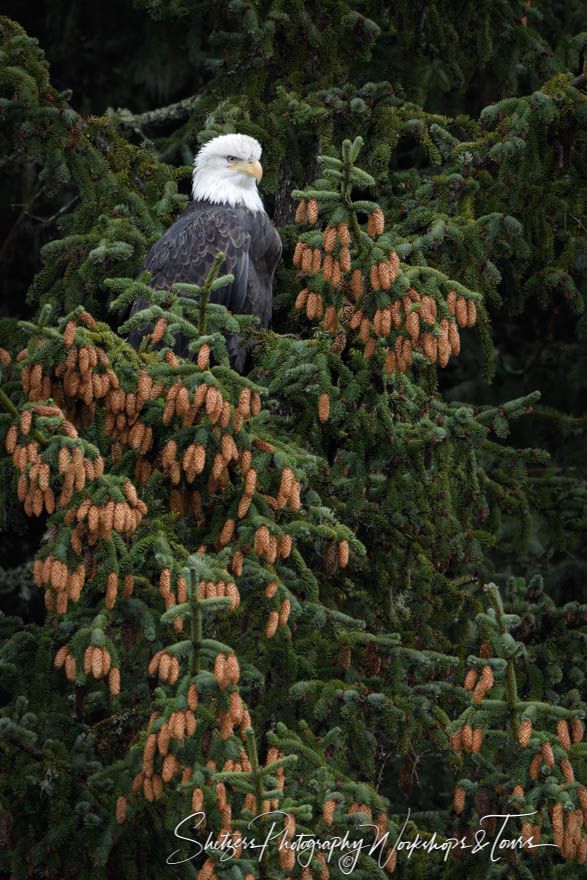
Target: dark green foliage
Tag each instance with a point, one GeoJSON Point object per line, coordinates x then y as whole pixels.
{"type": "Point", "coordinates": [392, 490]}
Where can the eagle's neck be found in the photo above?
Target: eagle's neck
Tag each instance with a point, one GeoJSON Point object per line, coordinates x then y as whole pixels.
{"type": "Point", "coordinates": [212, 186]}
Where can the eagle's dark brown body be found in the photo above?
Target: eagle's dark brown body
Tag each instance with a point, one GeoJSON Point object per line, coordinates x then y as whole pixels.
{"type": "Point", "coordinates": [185, 253]}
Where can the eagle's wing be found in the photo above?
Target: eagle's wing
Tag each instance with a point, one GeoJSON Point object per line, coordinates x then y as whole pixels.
{"type": "Point", "coordinates": [187, 251]}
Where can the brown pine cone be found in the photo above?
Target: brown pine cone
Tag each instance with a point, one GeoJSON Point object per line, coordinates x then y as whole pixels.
{"type": "Point", "coordinates": [374, 277]}
{"type": "Point", "coordinates": [461, 311]}
{"type": "Point", "coordinates": [563, 734]}
{"type": "Point", "coordinates": [301, 211]}
{"type": "Point", "coordinates": [577, 730]}
{"type": "Point", "coordinates": [121, 809]}
{"type": "Point", "coordinates": [344, 656]}
{"type": "Point", "coordinates": [378, 221]}
{"type": "Point", "coordinates": [357, 284]}
{"type": "Point", "coordinates": [312, 211]}
{"type": "Point", "coordinates": [471, 313]}
{"type": "Point", "coordinates": [329, 239]}
{"type": "Point", "coordinates": [524, 732]}
{"type": "Point", "coordinates": [547, 754]}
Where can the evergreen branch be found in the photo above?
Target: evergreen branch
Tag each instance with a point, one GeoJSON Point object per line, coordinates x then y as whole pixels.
{"type": "Point", "coordinates": [512, 690]}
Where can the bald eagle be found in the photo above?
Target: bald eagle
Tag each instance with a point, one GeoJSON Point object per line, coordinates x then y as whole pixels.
{"type": "Point", "coordinates": [226, 215]}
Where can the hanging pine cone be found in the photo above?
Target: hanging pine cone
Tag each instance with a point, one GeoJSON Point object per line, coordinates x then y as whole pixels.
{"type": "Point", "coordinates": [413, 325]}
{"type": "Point", "coordinates": [372, 660]}
{"type": "Point", "coordinates": [121, 809]}
{"type": "Point", "coordinates": [327, 267]}
{"type": "Point", "coordinates": [364, 330]}
{"type": "Point", "coordinates": [345, 259]}
{"type": "Point", "coordinates": [357, 284]}
{"type": "Point", "coordinates": [271, 626]}
{"type": "Point", "coordinates": [203, 359]}
{"type": "Point", "coordinates": [563, 734]}
{"type": "Point", "coordinates": [428, 310]}
{"type": "Point", "coordinates": [384, 275]}
{"type": "Point", "coordinates": [471, 313]}
{"type": "Point", "coordinates": [451, 301]}
{"type": "Point", "coordinates": [524, 732]}
{"type": "Point", "coordinates": [311, 305]}
{"type": "Point", "coordinates": [557, 818]}
{"type": "Point", "coordinates": [316, 261]}
{"type": "Point", "coordinates": [378, 221]}
{"type": "Point", "coordinates": [323, 407]}
{"type": "Point", "coordinates": [547, 754]}
{"type": "Point", "coordinates": [377, 322]}
{"type": "Point", "coordinates": [460, 311]}
{"type": "Point", "coordinates": [394, 265]}
{"type": "Point", "coordinates": [444, 350]}
{"type": "Point", "coordinates": [577, 730]}
{"type": "Point", "coordinates": [220, 671]}
{"type": "Point", "coordinates": [114, 681]}
{"type": "Point", "coordinates": [467, 737]}
{"type": "Point", "coordinates": [301, 212]}
{"type": "Point", "coordinates": [339, 344]}
{"type": "Point", "coordinates": [348, 313]}
{"type": "Point", "coordinates": [329, 239]}
{"type": "Point", "coordinates": [331, 320]}
{"type": "Point", "coordinates": [369, 349]}
{"type": "Point", "coordinates": [487, 676]}
{"type": "Point", "coordinates": [312, 211]}
{"type": "Point", "coordinates": [331, 557]}
{"type": "Point", "coordinates": [70, 667]}
{"type": "Point", "coordinates": [343, 553]}
{"type": "Point", "coordinates": [459, 799]}
{"type": "Point", "coordinates": [232, 669]}
{"type": "Point", "coordinates": [344, 656]}
{"type": "Point", "coordinates": [390, 363]}
{"type": "Point", "coordinates": [477, 740]}
{"type": "Point", "coordinates": [344, 234]}
{"type": "Point", "coordinates": [470, 679]}
{"type": "Point", "coordinates": [374, 277]}
{"type": "Point", "coordinates": [158, 331]}
{"type": "Point", "coordinates": [297, 254]}
{"type": "Point", "coordinates": [455, 740]}
{"type": "Point", "coordinates": [226, 533]}
{"type": "Point", "coordinates": [301, 299]}
{"type": "Point", "coordinates": [430, 346]}
{"type": "Point", "coordinates": [396, 314]}
{"type": "Point", "coordinates": [454, 339]}
{"type": "Point", "coordinates": [567, 770]}
{"type": "Point", "coordinates": [535, 765]}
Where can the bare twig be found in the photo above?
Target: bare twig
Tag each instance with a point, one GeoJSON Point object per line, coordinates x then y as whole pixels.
{"type": "Point", "coordinates": [46, 220]}
{"type": "Point", "coordinates": [178, 112]}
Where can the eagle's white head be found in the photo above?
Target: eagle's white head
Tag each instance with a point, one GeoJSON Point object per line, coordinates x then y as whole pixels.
{"type": "Point", "coordinates": [227, 170]}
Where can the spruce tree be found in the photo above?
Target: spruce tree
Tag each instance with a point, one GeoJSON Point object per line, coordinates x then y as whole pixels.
{"type": "Point", "coordinates": [334, 596]}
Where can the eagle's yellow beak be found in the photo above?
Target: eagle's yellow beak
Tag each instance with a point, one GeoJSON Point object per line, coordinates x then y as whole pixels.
{"type": "Point", "coordinates": [253, 169]}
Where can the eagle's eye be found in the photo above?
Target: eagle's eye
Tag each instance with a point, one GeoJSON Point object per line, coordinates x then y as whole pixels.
{"type": "Point", "coordinates": [231, 158]}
